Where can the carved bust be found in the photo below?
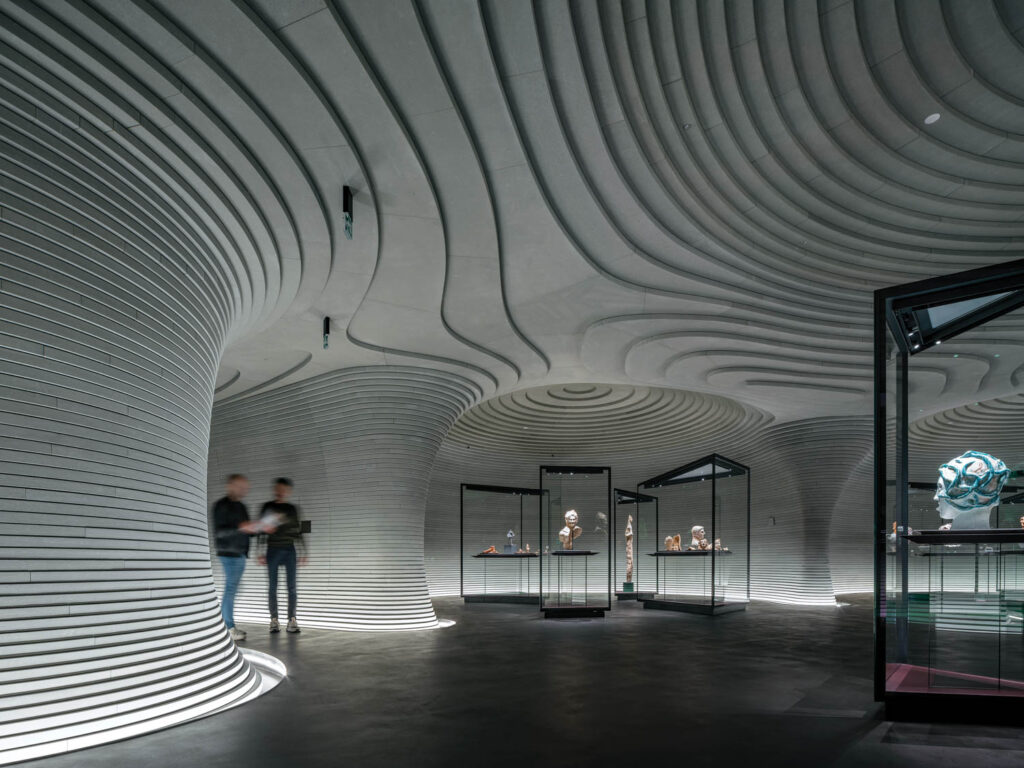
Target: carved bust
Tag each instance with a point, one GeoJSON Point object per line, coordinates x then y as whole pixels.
{"type": "Point", "coordinates": [571, 531]}
{"type": "Point", "coordinates": [698, 539]}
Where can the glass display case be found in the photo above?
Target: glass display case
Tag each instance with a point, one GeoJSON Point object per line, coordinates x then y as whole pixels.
{"type": "Point", "coordinates": [949, 531]}
{"type": "Point", "coordinates": [575, 526]}
{"type": "Point", "coordinates": [499, 544]}
{"type": "Point", "coordinates": [702, 537]}
{"type": "Point", "coordinates": [633, 533]}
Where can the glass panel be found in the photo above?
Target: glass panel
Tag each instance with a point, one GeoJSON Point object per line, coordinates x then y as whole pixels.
{"type": "Point", "coordinates": [493, 563]}
{"type": "Point", "coordinates": [688, 513]}
{"type": "Point", "coordinates": [893, 601]}
{"type": "Point", "coordinates": [730, 523]}
{"type": "Point", "coordinates": [576, 558]}
{"type": "Point", "coordinates": [964, 631]}
{"type": "Point", "coordinates": [947, 313]}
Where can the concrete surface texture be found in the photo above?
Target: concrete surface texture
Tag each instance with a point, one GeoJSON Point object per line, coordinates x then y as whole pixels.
{"type": "Point", "coordinates": [643, 197]}
{"type": "Point", "coordinates": [775, 686]}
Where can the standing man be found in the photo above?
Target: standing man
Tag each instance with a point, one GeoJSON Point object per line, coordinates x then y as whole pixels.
{"type": "Point", "coordinates": [232, 529]}
{"type": "Point", "coordinates": [280, 550]}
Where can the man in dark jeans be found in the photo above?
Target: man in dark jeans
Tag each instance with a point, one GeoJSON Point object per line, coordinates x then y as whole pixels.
{"type": "Point", "coordinates": [231, 530]}
{"type": "Point", "coordinates": [280, 550]}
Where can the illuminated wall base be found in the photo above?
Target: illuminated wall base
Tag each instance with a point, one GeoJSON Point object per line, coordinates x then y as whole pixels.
{"type": "Point", "coordinates": [359, 445]}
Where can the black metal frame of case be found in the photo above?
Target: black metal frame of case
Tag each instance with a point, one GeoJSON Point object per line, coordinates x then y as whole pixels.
{"type": "Point", "coordinates": [497, 597]}
{"type": "Point", "coordinates": [674, 477]}
{"type": "Point", "coordinates": [588, 611]}
{"type": "Point", "coordinates": [897, 310]}
{"type": "Point", "coordinates": [637, 499]}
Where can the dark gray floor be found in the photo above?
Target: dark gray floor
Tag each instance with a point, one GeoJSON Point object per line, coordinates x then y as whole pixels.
{"type": "Point", "coordinates": [775, 686]}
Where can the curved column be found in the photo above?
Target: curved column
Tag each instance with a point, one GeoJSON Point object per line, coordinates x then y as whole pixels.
{"type": "Point", "coordinates": [360, 446]}
{"type": "Point", "coordinates": [109, 623]}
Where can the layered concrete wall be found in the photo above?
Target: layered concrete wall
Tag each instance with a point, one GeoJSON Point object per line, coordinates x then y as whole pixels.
{"type": "Point", "coordinates": [360, 446]}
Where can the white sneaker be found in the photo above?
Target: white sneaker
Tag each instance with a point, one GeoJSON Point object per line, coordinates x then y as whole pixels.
{"type": "Point", "coordinates": [293, 625]}
{"type": "Point", "coordinates": [236, 634]}
{"type": "Point", "coordinates": [274, 626]}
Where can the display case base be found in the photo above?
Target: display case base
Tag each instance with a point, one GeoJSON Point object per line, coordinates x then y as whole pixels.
{"type": "Point", "coordinates": [502, 598]}
{"type": "Point", "coordinates": [574, 613]}
{"type": "Point", "coordinates": [955, 708]}
{"type": "Point", "coordinates": [634, 595]}
{"type": "Point", "coordinates": [705, 609]}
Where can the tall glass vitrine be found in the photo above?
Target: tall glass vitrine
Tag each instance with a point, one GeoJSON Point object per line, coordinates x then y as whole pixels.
{"type": "Point", "coordinates": [499, 544]}
{"type": "Point", "coordinates": [575, 523]}
{"type": "Point", "coordinates": [702, 537]}
{"type": "Point", "coordinates": [949, 532]}
{"type": "Point", "coordinates": [633, 533]}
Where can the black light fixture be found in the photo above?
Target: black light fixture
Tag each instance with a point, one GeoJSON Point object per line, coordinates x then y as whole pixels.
{"type": "Point", "coordinates": [346, 207]}
{"type": "Point", "coordinates": [327, 331]}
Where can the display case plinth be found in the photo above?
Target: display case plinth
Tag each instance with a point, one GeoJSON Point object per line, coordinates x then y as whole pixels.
{"type": "Point", "coordinates": [969, 536]}
{"type": "Point", "coordinates": [524, 599]}
{"type": "Point", "coordinates": [574, 613]}
{"type": "Point", "coordinates": [705, 609]}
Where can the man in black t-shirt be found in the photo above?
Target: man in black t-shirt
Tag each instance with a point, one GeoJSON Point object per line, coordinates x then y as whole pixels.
{"type": "Point", "coordinates": [231, 531]}
{"type": "Point", "coordinates": [281, 546]}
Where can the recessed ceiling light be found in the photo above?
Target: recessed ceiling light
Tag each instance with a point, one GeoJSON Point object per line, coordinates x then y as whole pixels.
{"type": "Point", "coordinates": [932, 118]}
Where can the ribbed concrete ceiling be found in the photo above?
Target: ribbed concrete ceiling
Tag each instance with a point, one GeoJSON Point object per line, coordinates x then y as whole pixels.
{"type": "Point", "coordinates": [596, 419]}
{"type": "Point", "coordinates": [694, 195]}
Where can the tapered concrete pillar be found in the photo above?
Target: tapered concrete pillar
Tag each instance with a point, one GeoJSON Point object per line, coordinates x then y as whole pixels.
{"type": "Point", "coordinates": [360, 446]}
{"type": "Point", "coordinates": [109, 623]}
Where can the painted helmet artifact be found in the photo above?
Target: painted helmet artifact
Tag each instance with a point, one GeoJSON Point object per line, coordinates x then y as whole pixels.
{"type": "Point", "coordinates": [971, 481]}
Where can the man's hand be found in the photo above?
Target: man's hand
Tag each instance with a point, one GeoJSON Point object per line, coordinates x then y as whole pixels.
{"type": "Point", "coordinates": [262, 559]}
{"type": "Point", "coordinates": [303, 560]}
{"type": "Point", "coordinates": [249, 527]}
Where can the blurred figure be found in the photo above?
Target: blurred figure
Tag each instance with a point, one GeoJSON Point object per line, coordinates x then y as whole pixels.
{"type": "Point", "coordinates": [284, 533]}
{"type": "Point", "coordinates": [232, 528]}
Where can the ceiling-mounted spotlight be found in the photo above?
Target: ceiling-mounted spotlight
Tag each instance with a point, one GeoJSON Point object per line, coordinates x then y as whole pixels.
{"type": "Point", "coordinates": [346, 207]}
{"type": "Point", "coordinates": [932, 118]}
{"type": "Point", "coordinates": [327, 331]}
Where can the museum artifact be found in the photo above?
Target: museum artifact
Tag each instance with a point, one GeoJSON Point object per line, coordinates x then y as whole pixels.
{"type": "Point", "coordinates": [491, 550]}
{"type": "Point", "coordinates": [968, 489]}
{"type": "Point", "coordinates": [698, 539]}
{"type": "Point", "coordinates": [674, 543]}
{"type": "Point", "coordinates": [627, 586]}
{"type": "Point", "coordinates": [571, 530]}
{"type": "Point", "coordinates": [510, 548]}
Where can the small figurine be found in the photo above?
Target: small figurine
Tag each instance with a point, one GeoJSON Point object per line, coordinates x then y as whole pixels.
{"type": "Point", "coordinates": [698, 539]}
{"type": "Point", "coordinates": [719, 547]}
{"type": "Point", "coordinates": [511, 546]}
{"type": "Point", "coordinates": [491, 550]}
{"type": "Point", "coordinates": [674, 543]}
{"type": "Point", "coordinates": [527, 549]}
{"type": "Point", "coordinates": [571, 530]}
{"type": "Point", "coordinates": [629, 549]}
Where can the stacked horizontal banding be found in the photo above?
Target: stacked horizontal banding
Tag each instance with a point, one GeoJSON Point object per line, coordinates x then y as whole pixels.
{"type": "Point", "coordinates": [758, 167]}
{"type": "Point", "coordinates": [359, 445]}
{"type": "Point", "coordinates": [809, 499]}
{"type": "Point", "coordinates": [122, 272]}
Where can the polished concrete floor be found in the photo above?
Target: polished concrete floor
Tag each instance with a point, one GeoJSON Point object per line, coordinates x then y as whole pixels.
{"type": "Point", "coordinates": [774, 686]}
